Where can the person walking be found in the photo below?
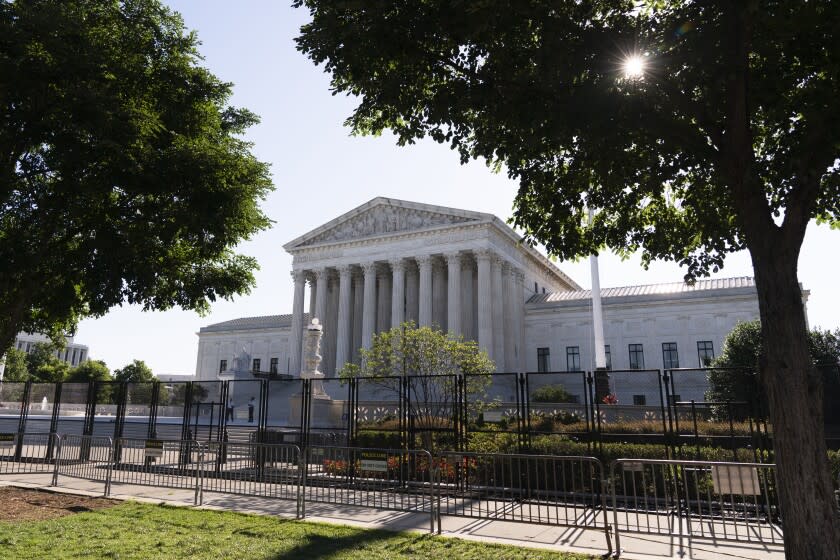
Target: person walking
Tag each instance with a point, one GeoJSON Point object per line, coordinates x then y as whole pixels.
{"type": "Point", "coordinates": [251, 410]}
{"type": "Point", "coordinates": [229, 410]}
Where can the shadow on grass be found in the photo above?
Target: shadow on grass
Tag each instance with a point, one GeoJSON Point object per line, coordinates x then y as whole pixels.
{"type": "Point", "coordinates": [319, 546]}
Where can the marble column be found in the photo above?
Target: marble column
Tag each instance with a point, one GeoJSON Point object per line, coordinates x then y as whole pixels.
{"type": "Point", "coordinates": [330, 323]}
{"type": "Point", "coordinates": [369, 304]}
{"type": "Point", "coordinates": [509, 321]}
{"type": "Point", "coordinates": [321, 294]}
{"type": "Point", "coordinates": [467, 296]}
{"type": "Point", "coordinates": [519, 302]}
{"type": "Point", "coordinates": [453, 292]}
{"type": "Point", "coordinates": [439, 294]}
{"type": "Point", "coordinates": [397, 292]}
{"type": "Point", "coordinates": [498, 314]}
{"type": "Point", "coordinates": [313, 295]}
{"type": "Point", "coordinates": [383, 299]}
{"type": "Point", "coordinates": [358, 305]}
{"type": "Point", "coordinates": [412, 292]}
{"type": "Point", "coordinates": [485, 299]}
{"type": "Point", "coordinates": [424, 263]}
{"type": "Point", "coordinates": [342, 345]}
{"type": "Point", "coordinates": [296, 333]}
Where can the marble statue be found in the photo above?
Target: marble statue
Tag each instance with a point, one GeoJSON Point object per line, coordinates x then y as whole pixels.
{"type": "Point", "coordinates": [312, 358]}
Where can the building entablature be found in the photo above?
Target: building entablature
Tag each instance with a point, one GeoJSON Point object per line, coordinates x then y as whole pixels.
{"type": "Point", "coordinates": [384, 230]}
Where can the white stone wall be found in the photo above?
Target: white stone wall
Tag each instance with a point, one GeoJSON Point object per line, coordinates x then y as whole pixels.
{"type": "Point", "coordinates": [684, 321]}
{"type": "Point", "coordinates": [649, 321]}
{"type": "Point", "coordinates": [262, 344]}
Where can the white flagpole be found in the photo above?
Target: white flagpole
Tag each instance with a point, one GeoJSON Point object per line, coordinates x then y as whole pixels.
{"type": "Point", "coordinates": [597, 315]}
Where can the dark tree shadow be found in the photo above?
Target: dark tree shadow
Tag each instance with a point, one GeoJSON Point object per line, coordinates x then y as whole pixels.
{"type": "Point", "coordinates": [319, 546]}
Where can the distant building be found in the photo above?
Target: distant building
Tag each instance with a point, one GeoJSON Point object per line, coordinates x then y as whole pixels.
{"type": "Point", "coordinates": [174, 378]}
{"type": "Point", "coordinates": [73, 352]}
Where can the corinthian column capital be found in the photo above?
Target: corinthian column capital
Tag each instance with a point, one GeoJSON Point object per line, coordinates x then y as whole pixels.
{"type": "Point", "coordinates": [484, 254]}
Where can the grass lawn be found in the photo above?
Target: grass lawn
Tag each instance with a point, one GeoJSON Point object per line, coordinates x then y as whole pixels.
{"type": "Point", "coordinates": [133, 530]}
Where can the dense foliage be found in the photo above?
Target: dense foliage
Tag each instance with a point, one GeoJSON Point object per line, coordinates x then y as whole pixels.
{"type": "Point", "coordinates": [738, 378]}
{"type": "Point", "coordinates": [41, 365]}
{"type": "Point", "coordinates": [123, 178]}
{"type": "Point", "coordinates": [552, 394]}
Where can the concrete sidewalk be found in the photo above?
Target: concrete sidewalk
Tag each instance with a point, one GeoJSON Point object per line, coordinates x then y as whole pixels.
{"type": "Point", "coordinates": [586, 541]}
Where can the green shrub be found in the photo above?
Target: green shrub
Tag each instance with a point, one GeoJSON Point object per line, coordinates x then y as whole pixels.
{"type": "Point", "coordinates": [552, 394]}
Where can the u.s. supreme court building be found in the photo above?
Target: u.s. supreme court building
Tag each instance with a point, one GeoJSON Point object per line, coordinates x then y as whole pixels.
{"type": "Point", "coordinates": [389, 261]}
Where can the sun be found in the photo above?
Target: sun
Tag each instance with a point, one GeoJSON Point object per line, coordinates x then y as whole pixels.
{"type": "Point", "coordinates": [634, 67]}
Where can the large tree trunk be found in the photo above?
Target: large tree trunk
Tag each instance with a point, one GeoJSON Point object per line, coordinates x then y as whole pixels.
{"type": "Point", "coordinates": [794, 390]}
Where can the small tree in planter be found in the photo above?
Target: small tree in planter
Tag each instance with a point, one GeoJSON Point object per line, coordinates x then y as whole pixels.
{"type": "Point", "coordinates": [429, 363]}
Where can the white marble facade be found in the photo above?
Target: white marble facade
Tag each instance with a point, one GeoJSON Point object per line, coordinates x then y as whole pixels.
{"type": "Point", "coordinates": [463, 272]}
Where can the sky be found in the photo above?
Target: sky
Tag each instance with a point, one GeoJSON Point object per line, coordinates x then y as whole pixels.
{"type": "Point", "coordinates": [320, 172]}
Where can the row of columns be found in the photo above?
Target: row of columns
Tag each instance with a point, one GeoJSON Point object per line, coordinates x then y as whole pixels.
{"type": "Point", "coordinates": [484, 301]}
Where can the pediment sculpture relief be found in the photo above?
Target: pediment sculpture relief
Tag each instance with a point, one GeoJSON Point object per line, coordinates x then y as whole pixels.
{"type": "Point", "coordinates": [386, 219]}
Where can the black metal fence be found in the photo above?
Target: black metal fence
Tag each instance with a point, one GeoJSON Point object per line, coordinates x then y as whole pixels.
{"type": "Point", "coordinates": [699, 414]}
{"type": "Point", "coordinates": [677, 498]}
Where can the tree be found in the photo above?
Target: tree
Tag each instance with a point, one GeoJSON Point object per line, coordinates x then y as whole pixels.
{"type": "Point", "coordinates": [43, 365]}
{"type": "Point", "coordinates": [135, 372]}
{"type": "Point", "coordinates": [89, 370]}
{"type": "Point", "coordinates": [122, 175]}
{"type": "Point", "coordinates": [721, 134]}
{"type": "Point", "coordinates": [740, 359]}
{"type": "Point", "coordinates": [552, 394]}
{"type": "Point", "coordinates": [16, 370]}
{"type": "Point", "coordinates": [428, 362]}
{"type": "Point", "coordinates": [140, 378]}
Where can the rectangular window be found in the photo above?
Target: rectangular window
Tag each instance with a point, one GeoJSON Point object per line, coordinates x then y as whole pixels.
{"type": "Point", "coordinates": [670, 358]}
{"type": "Point", "coordinates": [20, 345]}
{"type": "Point", "coordinates": [256, 365]}
{"type": "Point", "coordinates": [273, 365]}
{"type": "Point", "coordinates": [81, 356]}
{"type": "Point", "coordinates": [73, 361]}
{"type": "Point", "coordinates": [572, 358]}
{"type": "Point", "coordinates": [28, 346]}
{"type": "Point", "coordinates": [637, 356]}
{"type": "Point", "coordinates": [639, 400]}
{"type": "Point", "coordinates": [705, 352]}
{"type": "Point", "coordinates": [608, 356]}
{"type": "Point", "coordinates": [222, 366]}
{"type": "Point", "coordinates": [543, 360]}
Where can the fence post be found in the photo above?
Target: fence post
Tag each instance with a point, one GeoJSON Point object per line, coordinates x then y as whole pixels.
{"type": "Point", "coordinates": [57, 459]}
{"type": "Point", "coordinates": [302, 470]}
{"type": "Point", "coordinates": [111, 464]}
{"type": "Point", "coordinates": [615, 507]}
{"type": "Point", "coordinates": [605, 486]}
{"type": "Point", "coordinates": [54, 419]}
{"type": "Point", "coordinates": [199, 476]}
{"type": "Point", "coordinates": [24, 412]}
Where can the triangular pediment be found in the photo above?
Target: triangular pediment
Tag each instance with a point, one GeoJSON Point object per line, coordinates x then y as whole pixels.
{"type": "Point", "coordinates": [382, 216]}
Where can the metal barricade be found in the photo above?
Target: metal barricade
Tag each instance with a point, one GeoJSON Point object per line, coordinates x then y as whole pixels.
{"type": "Point", "coordinates": [696, 499]}
{"type": "Point", "coordinates": [253, 469]}
{"type": "Point", "coordinates": [85, 457]}
{"type": "Point", "coordinates": [159, 463]}
{"type": "Point", "coordinates": [22, 453]}
{"type": "Point", "coordinates": [545, 489]}
{"type": "Point", "coordinates": [392, 479]}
